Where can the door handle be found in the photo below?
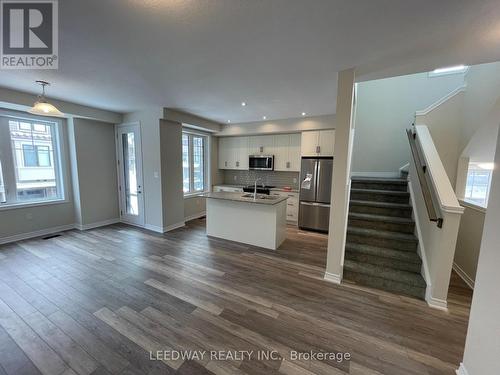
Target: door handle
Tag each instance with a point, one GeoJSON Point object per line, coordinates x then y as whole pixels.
{"type": "Point", "coordinates": [315, 204]}
{"type": "Point", "coordinates": [318, 149]}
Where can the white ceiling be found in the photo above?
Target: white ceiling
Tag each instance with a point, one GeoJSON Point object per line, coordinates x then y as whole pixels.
{"type": "Point", "coordinates": [280, 56]}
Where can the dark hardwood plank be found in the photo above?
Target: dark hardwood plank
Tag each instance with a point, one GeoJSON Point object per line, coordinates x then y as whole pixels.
{"type": "Point", "coordinates": [96, 302]}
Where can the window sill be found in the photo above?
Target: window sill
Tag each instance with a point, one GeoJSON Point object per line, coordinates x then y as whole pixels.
{"type": "Point", "coordinates": [472, 205]}
{"type": "Point", "coordinates": [194, 195]}
{"type": "Point", "coordinates": [14, 206]}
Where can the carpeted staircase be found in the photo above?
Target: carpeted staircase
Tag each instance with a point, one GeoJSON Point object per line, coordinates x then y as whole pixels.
{"type": "Point", "coordinates": [381, 247]}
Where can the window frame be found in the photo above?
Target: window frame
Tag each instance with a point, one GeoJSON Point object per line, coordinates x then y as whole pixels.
{"type": "Point", "coordinates": [8, 162]}
{"type": "Point", "coordinates": [206, 169]}
{"type": "Point", "coordinates": [472, 168]}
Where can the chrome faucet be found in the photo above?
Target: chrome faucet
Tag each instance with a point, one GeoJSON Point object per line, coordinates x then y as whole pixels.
{"type": "Point", "coordinates": [255, 188]}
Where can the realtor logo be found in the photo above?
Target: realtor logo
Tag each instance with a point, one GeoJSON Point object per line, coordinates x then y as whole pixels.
{"type": "Point", "coordinates": [29, 34]}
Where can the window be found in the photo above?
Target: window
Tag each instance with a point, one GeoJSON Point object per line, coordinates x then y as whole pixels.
{"type": "Point", "coordinates": [477, 189]}
{"type": "Point", "coordinates": [30, 170]}
{"type": "Point", "coordinates": [194, 163]}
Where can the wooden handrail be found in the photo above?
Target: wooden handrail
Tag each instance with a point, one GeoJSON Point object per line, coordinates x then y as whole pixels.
{"type": "Point", "coordinates": [423, 178]}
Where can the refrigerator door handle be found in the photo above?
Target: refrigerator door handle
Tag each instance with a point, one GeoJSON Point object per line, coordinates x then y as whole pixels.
{"type": "Point", "coordinates": [318, 179]}
{"type": "Point", "coordinates": [315, 204]}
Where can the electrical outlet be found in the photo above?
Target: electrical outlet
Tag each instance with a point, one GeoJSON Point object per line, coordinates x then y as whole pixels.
{"type": "Point", "coordinates": [235, 178]}
{"type": "Point", "coordinates": [155, 174]}
{"type": "Point", "coordinates": [294, 180]}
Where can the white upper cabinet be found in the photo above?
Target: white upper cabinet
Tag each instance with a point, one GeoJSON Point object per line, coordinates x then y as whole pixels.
{"type": "Point", "coordinates": [294, 152]}
{"type": "Point", "coordinates": [223, 153]}
{"type": "Point", "coordinates": [261, 144]}
{"type": "Point", "coordinates": [318, 143]}
{"type": "Point", "coordinates": [326, 142]}
{"type": "Point", "coordinates": [240, 147]}
{"type": "Point", "coordinates": [287, 152]}
{"type": "Point", "coordinates": [233, 153]}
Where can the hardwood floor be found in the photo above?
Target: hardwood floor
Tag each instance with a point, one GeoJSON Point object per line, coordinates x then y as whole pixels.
{"type": "Point", "coordinates": [98, 302]}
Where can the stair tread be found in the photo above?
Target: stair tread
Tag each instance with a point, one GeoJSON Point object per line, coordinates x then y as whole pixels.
{"type": "Point", "coordinates": [381, 180]}
{"type": "Point", "coordinates": [383, 252]}
{"type": "Point", "coordinates": [358, 202]}
{"type": "Point", "coordinates": [377, 191]}
{"type": "Point", "coordinates": [385, 284]}
{"type": "Point", "coordinates": [383, 218]}
{"type": "Point", "coordinates": [403, 277]}
{"type": "Point", "coordinates": [383, 234]}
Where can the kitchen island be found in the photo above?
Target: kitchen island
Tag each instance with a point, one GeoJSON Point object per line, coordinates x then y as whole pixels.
{"type": "Point", "coordinates": [241, 218]}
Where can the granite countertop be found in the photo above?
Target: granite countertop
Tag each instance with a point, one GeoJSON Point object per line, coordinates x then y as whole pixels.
{"type": "Point", "coordinates": [238, 197]}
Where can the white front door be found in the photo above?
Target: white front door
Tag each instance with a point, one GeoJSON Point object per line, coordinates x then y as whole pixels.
{"type": "Point", "coordinates": [129, 158]}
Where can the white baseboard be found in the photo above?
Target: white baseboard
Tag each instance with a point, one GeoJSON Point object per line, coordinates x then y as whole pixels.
{"type": "Point", "coordinates": [153, 228]}
{"type": "Point", "coordinates": [97, 224]}
{"type": "Point", "coordinates": [466, 278]}
{"type": "Point", "coordinates": [174, 226]}
{"type": "Point", "coordinates": [38, 233]}
{"type": "Point", "coordinates": [462, 370]}
{"type": "Point", "coordinates": [435, 303]}
{"type": "Point", "coordinates": [375, 174]}
{"type": "Point", "coordinates": [158, 229]}
{"type": "Point", "coordinates": [195, 216]}
{"type": "Point", "coordinates": [332, 278]}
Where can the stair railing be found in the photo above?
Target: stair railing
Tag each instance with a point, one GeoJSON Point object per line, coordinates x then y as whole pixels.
{"type": "Point", "coordinates": [424, 179]}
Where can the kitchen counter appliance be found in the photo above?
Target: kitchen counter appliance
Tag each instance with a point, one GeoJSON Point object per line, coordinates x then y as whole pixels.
{"type": "Point", "coordinates": [261, 162]}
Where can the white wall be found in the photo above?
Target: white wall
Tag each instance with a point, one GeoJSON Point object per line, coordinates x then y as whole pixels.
{"type": "Point", "coordinates": [469, 242]}
{"type": "Point", "coordinates": [436, 245]}
{"type": "Point", "coordinates": [445, 124]}
{"type": "Point", "coordinates": [280, 126]}
{"type": "Point", "coordinates": [385, 108]}
{"type": "Point", "coordinates": [346, 98]}
{"type": "Point", "coordinates": [94, 175]}
{"type": "Point", "coordinates": [171, 174]}
{"type": "Point", "coordinates": [482, 347]}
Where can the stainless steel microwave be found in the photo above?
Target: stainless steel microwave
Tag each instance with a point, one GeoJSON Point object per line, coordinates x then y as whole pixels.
{"type": "Point", "coordinates": [261, 162]}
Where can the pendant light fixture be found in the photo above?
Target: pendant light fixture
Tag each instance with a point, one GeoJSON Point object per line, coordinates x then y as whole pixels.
{"type": "Point", "coordinates": [42, 107]}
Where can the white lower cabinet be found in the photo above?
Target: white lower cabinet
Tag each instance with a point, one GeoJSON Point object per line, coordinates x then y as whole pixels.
{"type": "Point", "coordinates": [292, 204]}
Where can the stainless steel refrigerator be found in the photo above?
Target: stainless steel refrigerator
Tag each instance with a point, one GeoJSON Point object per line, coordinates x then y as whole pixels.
{"type": "Point", "coordinates": [315, 193]}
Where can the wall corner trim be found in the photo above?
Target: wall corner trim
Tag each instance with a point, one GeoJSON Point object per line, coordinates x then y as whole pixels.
{"type": "Point", "coordinates": [153, 228]}
{"type": "Point", "coordinates": [174, 226]}
{"type": "Point", "coordinates": [195, 216]}
{"type": "Point", "coordinates": [462, 370]}
{"type": "Point", "coordinates": [466, 278]}
{"type": "Point", "coordinates": [333, 278]}
{"type": "Point", "coordinates": [435, 303]}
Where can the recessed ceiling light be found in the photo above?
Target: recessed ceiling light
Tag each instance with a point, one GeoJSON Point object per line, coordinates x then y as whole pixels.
{"type": "Point", "coordinates": [243, 104]}
{"type": "Point", "coordinates": [264, 118]}
{"type": "Point", "coordinates": [228, 121]}
{"type": "Point", "coordinates": [303, 113]}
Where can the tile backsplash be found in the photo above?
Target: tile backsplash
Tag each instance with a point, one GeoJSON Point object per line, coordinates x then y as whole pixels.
{"type": "Point", "coordinates": [268, 178]}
